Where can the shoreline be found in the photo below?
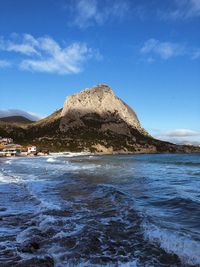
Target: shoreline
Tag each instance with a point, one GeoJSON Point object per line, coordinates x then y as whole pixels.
{"type": "Point", "coordinates": [73, 154]}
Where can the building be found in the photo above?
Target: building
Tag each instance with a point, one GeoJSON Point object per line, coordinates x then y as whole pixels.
{"type": "Point", "coordinates": [12, 150]}
{"type": "Point", "coordinates": [31, 150]}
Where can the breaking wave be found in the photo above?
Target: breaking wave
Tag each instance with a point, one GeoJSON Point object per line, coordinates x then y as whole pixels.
{"type": "Point", "coordinates": [184, 246]}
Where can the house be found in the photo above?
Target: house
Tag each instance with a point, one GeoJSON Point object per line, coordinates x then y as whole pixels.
{"type": "Point", "coordinates": [12, 150]}
{"type": "Point", "coordinates": [31, 150]}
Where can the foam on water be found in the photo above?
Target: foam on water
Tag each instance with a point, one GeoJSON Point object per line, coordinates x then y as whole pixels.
{"type": "Point", "coordinates": [3, 178]}
{"type": "Point", "coordinates": [51, 160]}
{"type": "Point", "coordinates": [8, 161]}
{"type": "Point", "coordinates": [71, 154]}
{"type": "Point", "coordinates": [187, 249]}
{"type": "Point", "coordinates": [8, 178]}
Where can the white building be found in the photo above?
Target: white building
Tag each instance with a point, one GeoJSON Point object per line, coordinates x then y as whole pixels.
{"type": "Point", "coordinates": [31, 149]}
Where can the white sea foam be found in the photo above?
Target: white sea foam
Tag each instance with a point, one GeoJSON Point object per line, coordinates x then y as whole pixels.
{"type": "Point", "coordinates": [51, 160]}
{"type": "Point", "coordinates": [183, 246]}
{"type": "Point", "coordinates": [75, 231]}
{"type": "Point", "coordinates": [58, 253]}
{"type": "Point", "coordinates": [22, 236]}
{"type": "Point", "coordinates": [6, 178]}
{"type": "Point", "coordinates": [46, 220]}
{"type": "Point", "coordinates": [3, 178]}
{"type": "Point", "coordinates": [8, 161]}
{"type": "Point", "coordinates": [71, 154]}
{"type": "Point", "coordinates": [36, 189]}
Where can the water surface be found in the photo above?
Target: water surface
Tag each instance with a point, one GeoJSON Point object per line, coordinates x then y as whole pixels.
{"type": "Point", "coordinates": [134, 210]}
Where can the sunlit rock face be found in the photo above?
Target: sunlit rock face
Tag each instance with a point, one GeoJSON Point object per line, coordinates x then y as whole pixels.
{"type": "Point", "coordinates": [101, 104]}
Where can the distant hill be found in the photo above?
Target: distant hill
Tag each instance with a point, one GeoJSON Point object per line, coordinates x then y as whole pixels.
{"type": "Point", "coordinates": [16, 120]}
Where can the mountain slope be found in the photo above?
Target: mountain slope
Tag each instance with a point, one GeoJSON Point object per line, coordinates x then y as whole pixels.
{"type": "Point", "coordinates": [92, 120]}
{"type": "Point", "coordinates": [16, 119]}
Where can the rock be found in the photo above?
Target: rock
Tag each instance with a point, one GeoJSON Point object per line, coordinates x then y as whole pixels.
{"type": "Point", "coordinates": [101, 104]}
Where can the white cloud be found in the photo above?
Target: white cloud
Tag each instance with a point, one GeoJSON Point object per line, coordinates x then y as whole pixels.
{"type": "Point", "coordinates": [44, 54]}
{"type": "Point", "coordinates": [154, 48]}
{"type": "Point", "coordinates": [68, 60]}
{"type": "Point", "coordinates": [18, 112]}
{"type": "Point", "coordinates": [25, 45]}
{"type": "Point", "coordinates": [165, 50]}
{"type": "Point", "coordinates": [183, 133]}
{"type": "Point", "coordinates": [182, 9]}
{"type": "Point", "coordinates": [179, 136]}
{"type": "Point", "coordinates": [5, 63]}
{"type": "Point", "coordinates": [89, 12]}
{"type": "Point", "coordinates": [196, 54]}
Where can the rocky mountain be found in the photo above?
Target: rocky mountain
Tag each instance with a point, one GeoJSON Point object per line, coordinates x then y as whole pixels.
{"type": "Point", "coordinates": [101, 104]}
{"type": "Point", "coordinates": [93, 120]}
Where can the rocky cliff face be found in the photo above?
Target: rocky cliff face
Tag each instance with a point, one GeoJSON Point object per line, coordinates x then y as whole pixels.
{"type": "Point", "coordinates": [99, 102]}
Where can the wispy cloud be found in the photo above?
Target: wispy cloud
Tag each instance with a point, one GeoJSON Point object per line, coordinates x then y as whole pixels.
{"type": "Point", "coordinates": [4, 64]}
{"type": "Point", "coordinates": [164, 50]}
{"type": "Point", "coordinates": [18, 112]}
{"type": "Point", "coordinates": [44, 54]}
{"type": "Point", "coordinates": [26, 46]}
{"type": "Point", "coordinates": [196, 54]}
{"type": "Point", "coordinates": [181, 9]}
{"type": "Point", "coordinates": [86, 13]}
{"type": "Point", "coordinates": [179, 136]}
{"type": "Point", "coordinates": [153, 49]}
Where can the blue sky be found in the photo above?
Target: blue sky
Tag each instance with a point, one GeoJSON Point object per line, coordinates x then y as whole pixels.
{"type": "Point", "coordinates": [148, 51]}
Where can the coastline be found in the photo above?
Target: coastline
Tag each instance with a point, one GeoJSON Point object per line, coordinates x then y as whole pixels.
{"type": "Point", "coordinates": [76, 154]}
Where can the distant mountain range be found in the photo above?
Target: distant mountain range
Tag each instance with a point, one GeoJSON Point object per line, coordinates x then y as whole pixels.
{"type": "Point", "coordinates": [16, 119]}
{"type": "Point", "coordinates": [94, 120]}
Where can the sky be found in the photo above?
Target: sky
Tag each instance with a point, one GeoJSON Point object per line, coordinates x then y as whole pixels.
{"type": "Point", "coordinates": [148, 51]}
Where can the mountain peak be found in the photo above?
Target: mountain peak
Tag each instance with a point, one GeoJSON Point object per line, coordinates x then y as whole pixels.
{"type": "Point", "coordinates": [99, 89]}
{"type": "Point", "coordinates": [100, 101]}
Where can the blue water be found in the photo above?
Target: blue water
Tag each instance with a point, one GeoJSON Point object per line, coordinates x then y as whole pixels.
{"type": "Point", "coordinates": [88, 210]}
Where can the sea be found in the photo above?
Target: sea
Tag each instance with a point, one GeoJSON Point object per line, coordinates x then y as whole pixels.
{"type": "Point", "coordinates": [100, 210]}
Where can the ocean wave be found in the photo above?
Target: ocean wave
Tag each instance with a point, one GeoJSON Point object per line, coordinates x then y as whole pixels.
{"type": "Point", "coordinates": [187, 163]}
{"type": "Point", "coordinates": [93, 209]}
{"type": "Point", "coordinates": [8, 161]}
{"type": "Point", "coordinates": [183, 246]}
{"type": "Point", "coordinates": [196, 173]}
{"type": "Point", "coordinates": [51, 160]}
{"type": "Point", "coordinates": [72, 154]}
{"type": "Point", "coordinates": [8, 178]}
{"type": "Point", "coordinates": [3, 178]}
{"type": "Point", "coordinates": [180, 202]}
